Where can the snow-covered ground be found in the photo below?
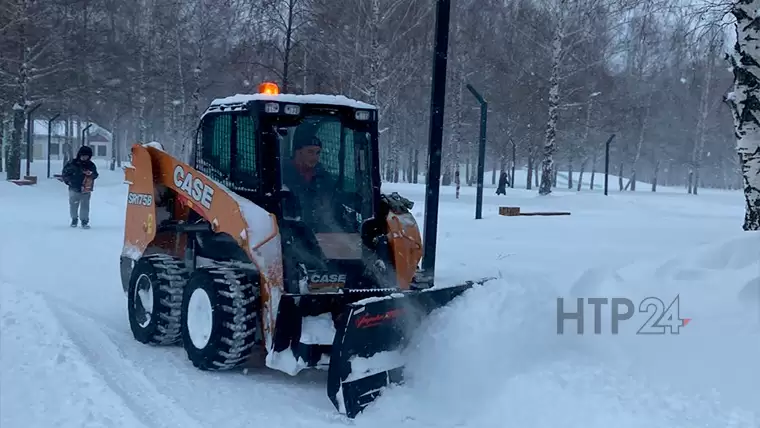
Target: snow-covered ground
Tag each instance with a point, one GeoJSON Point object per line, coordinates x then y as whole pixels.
{"type": "Point", "coordinates": [492, 359]}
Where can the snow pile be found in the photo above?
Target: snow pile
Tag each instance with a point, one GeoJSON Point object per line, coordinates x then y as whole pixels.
{"type": "Point", "coordinates": [718, 287]}
{"type": "Point", "coordinates": [45, 379]}
{"type": "Point", "coordinates": [493, 357]}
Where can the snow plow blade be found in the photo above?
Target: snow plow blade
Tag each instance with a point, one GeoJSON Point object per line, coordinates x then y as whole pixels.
{"type": "Point", "coordinates": [371, 335]}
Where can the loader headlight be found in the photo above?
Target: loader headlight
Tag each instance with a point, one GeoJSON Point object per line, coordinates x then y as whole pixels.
{"type": "Point", "coordinates": [292, 109]}
{"type": "Point", "coordinates": [361, 115]}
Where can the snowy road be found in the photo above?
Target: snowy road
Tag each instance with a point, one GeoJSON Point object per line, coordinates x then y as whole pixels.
{"type": "Point", "coordinates": [493, 359]}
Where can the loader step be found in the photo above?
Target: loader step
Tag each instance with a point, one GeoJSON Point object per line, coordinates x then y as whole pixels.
{"type": "Point", "coordinates": [515, 212]}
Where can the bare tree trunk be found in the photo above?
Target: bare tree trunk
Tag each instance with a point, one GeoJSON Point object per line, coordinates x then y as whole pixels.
{"type": "Point", "coordinates": [593, 169]}
{"type": "Point", "coordinates": [529, 181]}
{"type": "Point", "coordinates": [67, 142]}
{"type": "Point", "coordinates": [416, 166]}
{"type": "Point", "coordinates": [640, 143]}
{"type": "Point", "coordinates": [13, 167]}
{"type": "Point", "coordinates": [467, 170]}
{"type": "Point", "coordinates": [3, 134]}
{"type": "Point", "coordinates": [655, 174]}
{"type": "Point", "coordinates": [288, 46]}
{"type": "Point", "coordinates": [2, 143]}
{"type": "Point", "coordinates": [167, 121]}
{"type": "Point", "coordinates": [585, 143]}
{"type": "Point", "coordinates": [580, 173]}
{"type": "Point", "coordinates": [690, 180]}
{"type": "Point", "coordinates": [704, 107]}
{"type": "Point", "coordinates": [375, 61]}
{"type": "Point", "coordinates": [620, 176]}
{"type": "Point", "coordinates": [547, 166]}
{"type": "Point", "coordinates": [456, 123]}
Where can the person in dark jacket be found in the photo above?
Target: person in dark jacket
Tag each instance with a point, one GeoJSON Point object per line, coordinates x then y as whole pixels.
{"type": "Point", "coordinates": [503, 182]}
{"type": "Point", "coordinates": [305, 176]}
{"type": "Point", "coordinates": [80, 174]}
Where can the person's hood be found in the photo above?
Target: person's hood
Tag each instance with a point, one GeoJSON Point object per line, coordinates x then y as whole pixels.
{"type": "Point", "coordinates": [84, 150]}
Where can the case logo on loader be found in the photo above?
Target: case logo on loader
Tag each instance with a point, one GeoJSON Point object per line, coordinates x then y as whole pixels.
{"type": "Point", "coordinates": [328, 278]}
{"type": "Point", "coordinates": [143, 199]}
{"type": "Point", "coordinates": [193, 186]}
{"type": "Point", "coordinates": [326, 282]}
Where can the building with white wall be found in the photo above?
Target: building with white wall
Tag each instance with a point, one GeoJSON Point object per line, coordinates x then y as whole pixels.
{"type": "Point", "coordinates": [97, 137]}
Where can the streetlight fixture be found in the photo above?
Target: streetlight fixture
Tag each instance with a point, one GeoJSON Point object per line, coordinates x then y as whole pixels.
{"type": "Point", "coordinates": [50, 134]}
{"type": "Point", "coordinates": [29, 150]}
{"type": "Point", "coordinates": [481, 150]}
{"type": "Point", "coordinates": [83, 132]}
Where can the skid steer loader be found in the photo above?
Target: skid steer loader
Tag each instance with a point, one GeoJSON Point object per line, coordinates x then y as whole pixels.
{"type": "Point", "coordinates": [275, 236]}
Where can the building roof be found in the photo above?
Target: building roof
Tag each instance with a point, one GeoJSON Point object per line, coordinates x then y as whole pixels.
{"type": "Point", "coordinates": [58, 129]}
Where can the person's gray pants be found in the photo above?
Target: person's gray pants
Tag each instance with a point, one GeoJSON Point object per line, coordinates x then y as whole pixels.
{"type": "Point", "coordinates": [79, 202]}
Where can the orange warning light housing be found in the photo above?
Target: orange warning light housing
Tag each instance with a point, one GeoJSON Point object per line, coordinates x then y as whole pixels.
{"type": "Point", "coordinates": [269, 88]}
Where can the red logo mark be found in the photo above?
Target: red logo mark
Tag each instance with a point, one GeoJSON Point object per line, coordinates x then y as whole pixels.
{"type": "Point", "coordinates": [367, 321]}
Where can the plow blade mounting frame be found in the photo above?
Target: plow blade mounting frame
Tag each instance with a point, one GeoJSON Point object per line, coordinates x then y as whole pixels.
{"type": "Point", "coordinates": [370, 337]}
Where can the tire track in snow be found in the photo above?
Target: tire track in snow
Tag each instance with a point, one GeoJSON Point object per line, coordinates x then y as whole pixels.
{"type": "Point", "coordinates": [53, 383]}
{"type": "Point", "coordinates": [153, 408]}
{"type": "Point", "coordinates": [312, 401]}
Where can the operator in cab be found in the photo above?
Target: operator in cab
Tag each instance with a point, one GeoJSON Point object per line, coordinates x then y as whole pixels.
{"type": "Point", "coordinates": [308, 180]}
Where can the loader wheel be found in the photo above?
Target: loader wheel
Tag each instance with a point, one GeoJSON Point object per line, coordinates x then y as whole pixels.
{"type": "Point", "coordinates": [219, 310]}
{"type": "Point", "coordinates": [154, 299]}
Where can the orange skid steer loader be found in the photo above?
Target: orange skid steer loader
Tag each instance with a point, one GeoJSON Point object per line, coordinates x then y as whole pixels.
{"type": "Point", "coordinates": [275, 236]}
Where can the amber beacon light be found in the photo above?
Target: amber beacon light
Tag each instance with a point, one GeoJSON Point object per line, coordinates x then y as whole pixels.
{"type": "Point", "coordinates": [269, 88]}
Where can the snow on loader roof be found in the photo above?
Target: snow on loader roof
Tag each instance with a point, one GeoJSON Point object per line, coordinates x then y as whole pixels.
{"type": "Point", "coordinates": [339, 100]}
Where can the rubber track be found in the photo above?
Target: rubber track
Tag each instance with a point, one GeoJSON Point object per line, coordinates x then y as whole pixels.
{"type": "Point", "coordinates": [173, 276]}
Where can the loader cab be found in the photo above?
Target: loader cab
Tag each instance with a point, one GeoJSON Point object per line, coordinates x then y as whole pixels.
{"type": "Point", "coordinates": [312, 161]}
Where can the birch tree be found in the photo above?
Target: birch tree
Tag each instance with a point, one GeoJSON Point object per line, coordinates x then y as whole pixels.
{"type": "Point", "coordinates": [704, 109]}
{"type": "Point", "coordinates": [30, 48]}
{"type": "Point", "coordinates": [744, 102]}
{"type": "Point", "coordinates": [547, 164]}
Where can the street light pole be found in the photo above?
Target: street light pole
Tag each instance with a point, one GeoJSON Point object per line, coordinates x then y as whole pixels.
{"type": "Point", "coordinates": [50, 132]}
{"type": "Point", "coordinates": [435, 144]}
{"type": "Point", "coordinates": [481, 150]}
{"type": "Point", "coordinates": [514, 163]}
{"type": "Point", "coordinates": [83, 132]}
{"type": "Point", "coordinates": [607, 163]}
{"type": "Point", "coordinates": [29, 150]}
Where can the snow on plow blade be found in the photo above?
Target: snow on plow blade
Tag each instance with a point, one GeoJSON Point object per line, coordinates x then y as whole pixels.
{"type": "Point", "coordinates": [370, 336]}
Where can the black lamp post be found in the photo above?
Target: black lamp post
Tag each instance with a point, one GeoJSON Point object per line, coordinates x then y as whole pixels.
{"type": "Point", "coordinates": [50, 134]}
{"type": "Point", "coordinates": [435, 144]}
{"type": "Point", "coordinates": [481, 150]}
{"type": "Point", "coordinates": [29, 150]}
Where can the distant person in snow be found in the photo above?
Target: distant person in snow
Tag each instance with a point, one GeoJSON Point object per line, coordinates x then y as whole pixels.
{"type": "Point", "coordinates": [80, 174]}
{"type": "Point", "coordinates": [503, 182]}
